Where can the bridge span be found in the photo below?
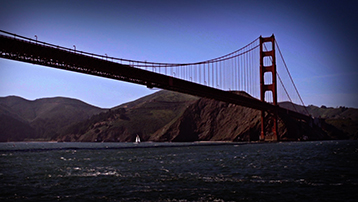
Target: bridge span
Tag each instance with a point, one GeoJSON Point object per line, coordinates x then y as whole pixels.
{"type": "Point", "coordinates": [27, 50]}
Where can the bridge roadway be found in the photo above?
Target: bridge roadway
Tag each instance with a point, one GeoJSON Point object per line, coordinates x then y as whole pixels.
{"type": "Point", "coordinates": [41, 53]}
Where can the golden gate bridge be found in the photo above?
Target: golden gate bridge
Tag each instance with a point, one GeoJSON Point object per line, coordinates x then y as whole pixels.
{"type": "Point", "coordinates": [253, 69]}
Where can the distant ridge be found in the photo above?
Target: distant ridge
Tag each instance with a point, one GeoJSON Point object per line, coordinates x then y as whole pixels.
{"type": "Point", "coordinates": [340, 120]}
{"type": "Point", "coordinates": [45, 116]}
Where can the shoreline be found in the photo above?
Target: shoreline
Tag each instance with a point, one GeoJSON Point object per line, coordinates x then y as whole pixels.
{"type": "Point", "coordinates": [7, 147]}
{"type": "Point", "coordinates": [11, 146]}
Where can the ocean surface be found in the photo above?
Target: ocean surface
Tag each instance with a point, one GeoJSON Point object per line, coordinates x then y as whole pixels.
{"type": "Point", "coordinates": [290, 171]}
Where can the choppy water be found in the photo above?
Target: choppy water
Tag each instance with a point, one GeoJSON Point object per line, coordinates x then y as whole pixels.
{"type": "Point", "coordinates": [296, 171]}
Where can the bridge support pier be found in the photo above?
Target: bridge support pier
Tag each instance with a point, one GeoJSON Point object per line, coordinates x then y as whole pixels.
{"type": "Point", "coordinates": [268, 66]}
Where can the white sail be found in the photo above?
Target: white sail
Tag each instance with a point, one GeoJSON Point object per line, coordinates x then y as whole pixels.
{"type": "Point", "coordinates": [137, 139]}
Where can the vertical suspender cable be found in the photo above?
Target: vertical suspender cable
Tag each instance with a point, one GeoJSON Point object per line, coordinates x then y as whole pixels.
{"type": "Point", "coordinates": [233, 74]}
{"type": "Point", "coordinates": [212, 74]}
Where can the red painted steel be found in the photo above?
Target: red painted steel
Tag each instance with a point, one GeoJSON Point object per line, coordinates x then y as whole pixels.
{"type": "Point", "coordinates": [271, 115]}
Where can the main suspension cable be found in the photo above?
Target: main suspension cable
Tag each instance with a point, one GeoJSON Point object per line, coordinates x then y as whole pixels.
{"type": "Point", "coordinates": [289, 74]}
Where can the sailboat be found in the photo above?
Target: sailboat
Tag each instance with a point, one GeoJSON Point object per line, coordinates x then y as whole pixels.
{"type": "Point", "coordinates": [137, 140]}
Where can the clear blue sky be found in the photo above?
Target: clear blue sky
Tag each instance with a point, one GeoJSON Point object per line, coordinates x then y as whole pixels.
{"type": "Point", "coordinates": [317, 38]}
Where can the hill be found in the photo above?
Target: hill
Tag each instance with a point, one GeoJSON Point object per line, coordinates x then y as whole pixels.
{"type": "Point", "coordinates": [122, 123]}
{"type": "Point", "coordinates": [161, 116]}
{"type": "Point", "coordinates": [211, 120]}
{"type": "Point", "coordinates": [41, 118]}
{"type": "Point", "coordinates": [171, 116]}
{"type": "Point", "coordinates": [342, 119]}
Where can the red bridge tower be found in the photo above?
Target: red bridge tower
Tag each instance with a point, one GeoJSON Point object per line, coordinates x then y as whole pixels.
{"type": "Point", "coordinates": [268, 66]}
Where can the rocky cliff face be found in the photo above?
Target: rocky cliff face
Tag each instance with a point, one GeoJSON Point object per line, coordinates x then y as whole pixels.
{"type": "Point", "coordinates": [211, 120]}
